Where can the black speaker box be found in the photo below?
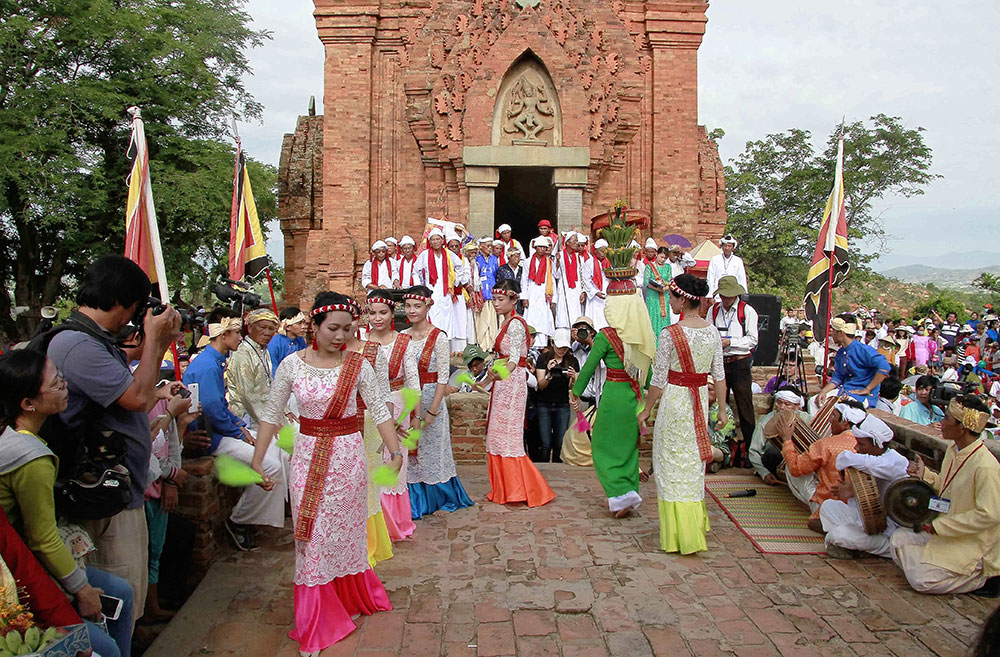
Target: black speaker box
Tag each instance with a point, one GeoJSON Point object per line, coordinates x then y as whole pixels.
{"type": "Point", "coordinates": [768, 307]}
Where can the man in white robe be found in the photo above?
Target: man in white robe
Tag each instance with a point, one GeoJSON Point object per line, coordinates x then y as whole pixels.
{"type": "Point", "coordinates": [595, 284]}
{"type": "Point", "coordinates": [726, 264]}
{"type": "Point", "coordinates": [538, 291]}
{"type": "Point", "coordinates": [503, 234]}
{"type": "Point", "coordinates": [404, 274]}
{"type": "Point", "coordinates": [679, 260]}
{"type": "Point", "coordinates": [440, 270]}
{"type": "Point", "coordinates": [376, 274]}
{"type": "Point", "coordinates": [460, 319]}
{"type": "Point", "coordinates": [570, 295]}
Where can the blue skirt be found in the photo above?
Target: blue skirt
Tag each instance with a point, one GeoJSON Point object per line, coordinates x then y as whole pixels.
{"type": "Point", "coordinates": [428, 498]}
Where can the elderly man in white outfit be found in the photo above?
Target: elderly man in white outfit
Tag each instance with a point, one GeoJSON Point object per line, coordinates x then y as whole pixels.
{"type": "Point", "coordinates": [595, 284]}
{"type": "Point", "coordinates": [570, 295]}
{"type": "Point", "coordinates": [539, 279]}
{"type": "Point", "coordinates": [377, 270]}
{"type": "Point", "coordinates": [440, 270]}
{"type": "Point", "coordinates": [503, 234]}
{"type": "Point", "coordinates": [842, 521]}
{"type": "Point", "coordinates": [726, 264]}
{"type": "Point", "coordinates": [404, 268]}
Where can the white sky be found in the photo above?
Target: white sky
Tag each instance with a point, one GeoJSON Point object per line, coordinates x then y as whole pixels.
{"type": "Point", "coordinates": [769, 65]}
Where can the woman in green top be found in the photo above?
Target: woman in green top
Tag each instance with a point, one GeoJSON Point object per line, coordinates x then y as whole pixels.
{"type": "Point", "coordinates": [31, 389]}
{"type": "Point", "coordinates": [655, 279]}
{"type": "Point", "coordinates": [626, 347]}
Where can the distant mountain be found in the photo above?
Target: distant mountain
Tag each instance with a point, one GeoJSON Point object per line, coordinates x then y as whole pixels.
{"type": "Point", "coordinates": [951, 279]}
{"type": "Point", "coordinates": [969, 259]}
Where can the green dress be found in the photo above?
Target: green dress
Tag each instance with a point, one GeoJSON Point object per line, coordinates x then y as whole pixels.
{"type": "Point", "coordinates": [659, 316]}
{"type": "Point", "coordinates": [615, 433]}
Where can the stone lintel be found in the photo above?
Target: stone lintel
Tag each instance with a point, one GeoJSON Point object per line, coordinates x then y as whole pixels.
{"type": "Point", "coordinates": [526, 156]}
{"type": "Point", "coordinates": [476, 176]}
{"type": "Point", "coordinates": [676, 25]}
{"type": "Point", "coordinates": [569, 177]}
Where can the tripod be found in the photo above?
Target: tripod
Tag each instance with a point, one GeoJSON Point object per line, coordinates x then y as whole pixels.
{"type": "Point", "coordinates": [790, 352]}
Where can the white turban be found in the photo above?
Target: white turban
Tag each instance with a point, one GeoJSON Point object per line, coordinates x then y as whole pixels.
{"type": "Point", "coordinates": [581, 237]}
{"type": "Point", "coordinates": [650, 243]}
{"type": "Point", "coordinates": [788, 396]}
{"type": "Point", "coordinates": [435, 231]}
{"type": "Point", "coordinates": [407, 240]}
{"type": "Point", "coordinates": [634, 244]}
{"type": "Point", "coordinates": [728, 239]}
{"type": "Point", "coordinates": [452, 236]}
{"type": "Point", "coordinates": [487, 240]}
{"type": "Point", "coordinates": [502, 228]}
{"type": "Point", "coordinates": [601, 244]}
{"type": "Point", "coordinates": [498, 243]}
{"type": "Point", "coordinates": [379, 245]}
{"type": "Point", "coordinates": [391, 240]}
{"type": "Point", "coordinates": [226, 324]}
{"type": "Point", "coordinates": [873, 428]}
{"type": "Point", "coordinates": [850, 414]}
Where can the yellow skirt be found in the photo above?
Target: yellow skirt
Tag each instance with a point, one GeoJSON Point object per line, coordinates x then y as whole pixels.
{"type": "Point", "coordinates": [379, 543]}
{"type": "Point", "coordinates": [683, 526]}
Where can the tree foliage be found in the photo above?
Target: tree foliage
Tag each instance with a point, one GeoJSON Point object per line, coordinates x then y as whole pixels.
{"type": "Point", "coordinates": [68, 71]}
{"type": "Point", "coordinates": [989, 282]}
{"type": "Point", "coordinates": [777, 189]}
{"type": "Point", "coordinates": [943, 303]}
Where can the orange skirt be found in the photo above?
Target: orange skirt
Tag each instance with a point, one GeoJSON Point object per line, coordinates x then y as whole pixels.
{"type": "Point", "coordinates": [516, 479]}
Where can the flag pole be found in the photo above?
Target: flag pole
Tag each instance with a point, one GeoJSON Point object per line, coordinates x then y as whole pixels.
{"type": "Point", "coordinates": [829, 315]}
{"type": "Point", "coordinates": [270, 287]}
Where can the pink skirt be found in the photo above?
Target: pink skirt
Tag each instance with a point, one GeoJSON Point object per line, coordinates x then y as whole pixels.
{"type": "Point", "coordinates": [323, 613]}
{"type": "Point", "coordinates": [396, 510]}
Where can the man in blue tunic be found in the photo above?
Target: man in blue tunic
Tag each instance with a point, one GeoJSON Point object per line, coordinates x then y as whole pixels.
{"type": "Point", "coordinates": [858, 370]}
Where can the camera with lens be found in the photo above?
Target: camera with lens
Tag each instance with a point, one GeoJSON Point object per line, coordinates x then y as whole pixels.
{"type": "Point", "coordinates": [237, 294]}
{"type": "Point", "coordinates": [945, 391]}
{"type": "Point", "coordinates": [582, 334]}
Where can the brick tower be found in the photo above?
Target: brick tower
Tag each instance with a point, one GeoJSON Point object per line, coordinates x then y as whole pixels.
{"type": "Point", "coordinates": [495, 111]}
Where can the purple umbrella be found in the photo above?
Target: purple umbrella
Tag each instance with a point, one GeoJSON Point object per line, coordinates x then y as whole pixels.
{"type": "Point", "coordinates": [679, 240]}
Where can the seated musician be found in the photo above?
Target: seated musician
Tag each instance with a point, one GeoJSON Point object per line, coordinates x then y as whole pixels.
{"type": "Point", "coordinates": [821, 457]}
{"type": "Point", "coordinates": [765, 457]}
{"type": "Point", "coordinates": [959, 551]}
{"type": "Point", "coordinates": [841, 518]}
{"type": "Point", "coordinates": [858, 370]}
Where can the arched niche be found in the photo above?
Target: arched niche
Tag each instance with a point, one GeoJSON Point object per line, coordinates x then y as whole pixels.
{"type": "Point", "coordinates": [526, 112]}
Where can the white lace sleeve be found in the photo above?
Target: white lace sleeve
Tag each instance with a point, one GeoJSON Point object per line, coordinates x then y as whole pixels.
{"type": "Point", "coordinates": [371, 391]}
{"type": "Point", "coordinates": [382, 372]}
{"type": "Point", "coordinates": [515, 333]}
{"type": "Point", "coordinates": [718, 364]}
{"type": "Point", "coordinates": [281, 390]}
{"type": "Point", "coordinates": [661, 366]}
{"type": "Point", "coordinates": [411, 376]}
{"type": "Point", "coordinates": [442, 355]}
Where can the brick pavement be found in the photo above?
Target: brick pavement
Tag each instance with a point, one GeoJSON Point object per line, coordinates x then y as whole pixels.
{"type": "Point", "coordinates": [567, 580]}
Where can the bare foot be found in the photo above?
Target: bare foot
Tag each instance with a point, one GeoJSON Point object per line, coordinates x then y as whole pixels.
{"type": "Point", "coordinates": [816, 525]}
{"type": "Point", "coordinates": [623, 513]}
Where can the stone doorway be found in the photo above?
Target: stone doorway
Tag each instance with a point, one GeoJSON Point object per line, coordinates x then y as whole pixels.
{"type": "Point", "coordinates": [525, 196]}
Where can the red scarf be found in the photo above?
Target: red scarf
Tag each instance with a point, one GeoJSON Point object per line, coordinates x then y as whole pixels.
{"type": "Point", "coordinates": [647, 261]}
{"type": "Point", "coordinates": [535, 272]}
{"type": "Point", "coordinates": [432, 267]}
{"type": "Point", "coordinates": [413, 261]}
{"type": "Point", "coordinates": [598, 278]}
{"type": "Point", "coordinates": [376, 265]}
{"type": "Point", "coordinates": [569, 266]}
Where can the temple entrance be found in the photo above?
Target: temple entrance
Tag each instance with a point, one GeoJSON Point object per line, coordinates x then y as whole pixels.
{"type": "Point", "coordinates": [525, 196]}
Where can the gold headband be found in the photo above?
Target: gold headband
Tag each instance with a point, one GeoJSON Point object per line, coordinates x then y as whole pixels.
{"type": "Point", "coordinates": [285, 323]}
{"type": "Point", "coordinates": [839, 324]}
{"type": "Point", "coordinates": [973, 420]}
{"type": "Point", "coordinates": [261, 315]}
{"type": "Point", "coordinates": [227, 324]}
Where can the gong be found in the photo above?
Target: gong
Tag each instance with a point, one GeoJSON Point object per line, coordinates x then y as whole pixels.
{"type": "Point", "coordinates": [907, 502]}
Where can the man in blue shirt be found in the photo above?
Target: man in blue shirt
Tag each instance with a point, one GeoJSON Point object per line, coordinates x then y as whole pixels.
{"type": "Point", "coordinates": [920, 410]}
{"type": "Point", "coordinates": [229, 433]}
{"type": "Point", "coordinates": [290, 337]}
{"type": "Point", "coordinates": [858, 370]}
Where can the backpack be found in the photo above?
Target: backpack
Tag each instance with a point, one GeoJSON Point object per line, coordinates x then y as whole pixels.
{"type": "Point", "coordinates": [741, 313]}
{"type": "Point", "coordinates": [92, 481]}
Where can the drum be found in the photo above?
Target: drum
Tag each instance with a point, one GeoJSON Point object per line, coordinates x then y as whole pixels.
{"type": "Point", "coordinates": [869, 500]}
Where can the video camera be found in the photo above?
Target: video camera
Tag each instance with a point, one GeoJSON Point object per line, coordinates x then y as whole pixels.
{"type": "Point", "coordinates": [237, 294]}
{"type": "Point", "coordinates": [945, 391]}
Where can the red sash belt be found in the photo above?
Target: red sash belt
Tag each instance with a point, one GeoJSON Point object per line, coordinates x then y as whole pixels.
{"type": "Point", "coordinates": [396, 384]}
{"type": "Point", "coordinates": [690, 373]}
{"type": "Point", "coordinates": [343, 426]}
{"type": "Point", "coordinates": [687, 380]}
{"type": "Point", "coordinates": [621, 376]}
{"type": "Point", "coordinates": [428, 377]}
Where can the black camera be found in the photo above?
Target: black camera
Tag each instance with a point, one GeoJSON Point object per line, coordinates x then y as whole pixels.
{"type": "Point", "coordinates": [945, 391]}
{"type": "Point", "coordinates": [582, 334]}
{"type": "Point", "coordinates": [237, 294]}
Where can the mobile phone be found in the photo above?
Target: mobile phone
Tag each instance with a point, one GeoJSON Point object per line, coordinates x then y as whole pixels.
{"type": "Point", "coordinates": [111, 606]}
{"type": "Point", "coordinates": [193, 389]}
{"type": "Point", "coordinates": [161, 383]}
{"type": "Point", "coordinates": [184, 393]}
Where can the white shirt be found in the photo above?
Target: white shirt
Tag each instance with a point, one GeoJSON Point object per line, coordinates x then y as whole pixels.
{"type": "Point", "coordinates": [384, 273]}
{"type": "Point", "coordinates": [720, 266]}
{"type": "Point", "coordinates": [686, 260]}
{"type": "Point", "coordinates": [728, 323]}
{"type": "Point", "coordinates": [404, 273]}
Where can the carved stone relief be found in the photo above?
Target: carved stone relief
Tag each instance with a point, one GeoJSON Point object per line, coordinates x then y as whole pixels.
{"type": "Point", "coordinates": [527, 109]}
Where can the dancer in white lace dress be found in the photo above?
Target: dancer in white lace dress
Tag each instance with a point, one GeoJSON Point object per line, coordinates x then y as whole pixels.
{"type": "Point", "coordinates": [395, 500]}
{"type": "Point", "coordinates": [329, 483]}
{"type": "Point", "coordinates": [430, 469]}
{"type": "Point", "coordinates": [688, 352]}
{"type": "Point", "coordinates": [513, 477]}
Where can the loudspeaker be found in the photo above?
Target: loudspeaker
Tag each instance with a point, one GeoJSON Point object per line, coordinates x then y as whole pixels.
{"type": "Point", "coordinates": [768, 307]}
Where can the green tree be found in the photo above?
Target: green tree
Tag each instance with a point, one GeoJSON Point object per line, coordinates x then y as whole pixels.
{"type": "Point", "coordinates": [68, 71]}
{"type": "Point", "coordinates": [989, 282]}
{"type": "Point", "coordinates": [777, 189]}
{"type": "Point", "coordinates": [943, 303]}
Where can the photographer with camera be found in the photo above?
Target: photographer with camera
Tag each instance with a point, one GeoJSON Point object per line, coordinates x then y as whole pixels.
{"type": "Point", "coordinates": [556, 371]}
{"type": "Point", "coordinates": [104, 395]}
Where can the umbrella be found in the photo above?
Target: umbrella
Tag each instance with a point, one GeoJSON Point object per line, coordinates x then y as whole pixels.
{"type": "Point", "coordinates": [679, 240]}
